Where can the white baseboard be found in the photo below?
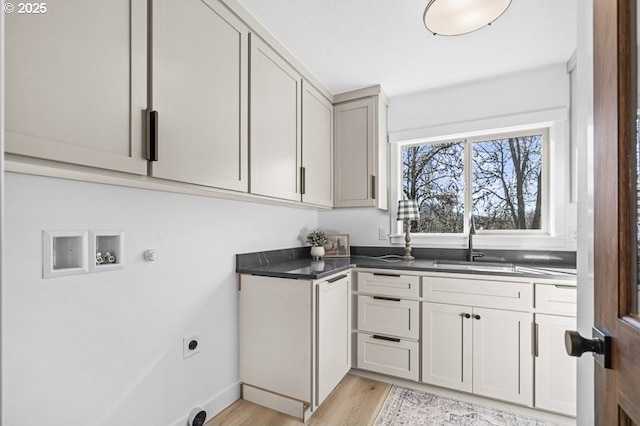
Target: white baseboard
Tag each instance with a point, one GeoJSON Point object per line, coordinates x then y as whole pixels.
{"type": "Point", "coordinates": [216, 404]}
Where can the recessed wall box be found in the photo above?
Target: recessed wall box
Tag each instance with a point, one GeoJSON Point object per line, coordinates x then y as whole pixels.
{"type": "Point", "coordinates": [106, 250]}
{"type": "Point", "coordinates": [64, 253]}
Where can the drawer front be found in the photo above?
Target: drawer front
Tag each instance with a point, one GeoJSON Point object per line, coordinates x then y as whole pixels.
{"type": "Point", "coordinates": [389, 284]}
{"type": "Point", "coordinates": [390, 316]}
{"type": "Point", "coordinates": [483, 293]}
{"type": "Point", "coordinates": [556, 299]}
{"type": "Point", "coordinates": [396, 357]}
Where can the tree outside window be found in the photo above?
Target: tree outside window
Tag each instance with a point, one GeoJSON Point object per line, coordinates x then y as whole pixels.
{"type": "Point", "coordinates": [505, 174]}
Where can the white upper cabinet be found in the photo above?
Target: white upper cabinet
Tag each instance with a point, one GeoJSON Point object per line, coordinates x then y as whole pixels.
{"type": "Point", "coordinates": [317, 147]}
{"type": "Point", "coordinates": [190, 91]}
{"type": "Point", "coordinates": [360, 166]}
{"type": "Point", "coordinates": [200, 93]}
{"type": "Point", "coordinates": [76, 83]}
{"type": "Point", "coordinates": [274, 128]}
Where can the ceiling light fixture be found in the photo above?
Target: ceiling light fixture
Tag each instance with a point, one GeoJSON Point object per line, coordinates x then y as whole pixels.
{"type": "Point", "coordinates": [457, 17]}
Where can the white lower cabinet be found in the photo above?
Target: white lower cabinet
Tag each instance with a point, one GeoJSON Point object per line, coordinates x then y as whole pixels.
{"type": "Point", "coordinates": [388, 323]}
{"type": "Point", "coordinates": [502, 355]}
{"type": "Point", "coordinates": [555, 371]}
{"type": "Point", "coordinates": [295, 340]}
{"type": "Point", "coordinates": [446, 346]}
{"type": "Point", "coordinates": [555, 376]}
{"type": "Point", "coordinates": [333, 335]}
{"type": "Point", "coordinates": [388, 355]}
{"type": "Point", "coordinates": [389, 316]}
{"type": "Point", "coordinates": [484, 351]}
{"type": "Point", "coordinates": [498, 337]}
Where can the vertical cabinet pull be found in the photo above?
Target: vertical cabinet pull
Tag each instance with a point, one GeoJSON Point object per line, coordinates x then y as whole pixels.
{"type": "Point", "coordinates": [373, 187]}
{"type": "Point", "coordinates": [152, 135]}
{"type": "Point", "coordinates": [303, 180]}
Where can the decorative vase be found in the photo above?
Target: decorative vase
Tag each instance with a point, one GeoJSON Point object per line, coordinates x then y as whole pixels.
{"type": "Point", "coordinates": [317, 253]}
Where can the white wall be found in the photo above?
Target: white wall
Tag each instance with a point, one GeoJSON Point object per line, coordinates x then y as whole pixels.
{"type": "Point", "coordinates": [511, 101]}
{"type": "Point", "coordinates": [106, 348]}
{"type": "Point", "coordinates": [479, 105]}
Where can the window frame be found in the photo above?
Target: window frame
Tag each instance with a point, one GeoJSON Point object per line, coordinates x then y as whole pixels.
{"type": "Point", "coordinates": [468, 141]}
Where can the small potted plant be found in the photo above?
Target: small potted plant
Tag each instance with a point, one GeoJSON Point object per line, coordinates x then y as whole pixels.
{"type": "Point", "coordinates": [317, 239]}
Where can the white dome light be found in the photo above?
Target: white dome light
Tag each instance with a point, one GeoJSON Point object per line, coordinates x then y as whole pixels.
{"type": "Point", "coordinates": [457, 17]}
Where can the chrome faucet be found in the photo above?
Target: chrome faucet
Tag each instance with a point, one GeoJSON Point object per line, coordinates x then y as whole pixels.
{"type": "Point", "coordinates": [471, 254]}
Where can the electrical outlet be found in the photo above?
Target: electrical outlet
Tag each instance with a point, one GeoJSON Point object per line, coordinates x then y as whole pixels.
{"type": "Point", "coordinates": [383, 234]}
{"type": "Point", "coordinates": [191, 345]}
{"type": "Point", "coordinates": [573, 235]}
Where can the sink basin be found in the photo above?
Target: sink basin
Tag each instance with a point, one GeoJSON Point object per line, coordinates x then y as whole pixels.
{"type": "Point", "coordinates": [474, 266]}
{"type": "Point", "coordinates": [497, 268]}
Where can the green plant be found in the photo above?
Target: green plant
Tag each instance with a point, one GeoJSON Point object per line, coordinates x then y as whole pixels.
{"type": "Point", "coordinates": [317, 238]}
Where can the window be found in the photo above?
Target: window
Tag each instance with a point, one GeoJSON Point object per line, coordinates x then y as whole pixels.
{"type": "Point", "coordinates": [505, 174]}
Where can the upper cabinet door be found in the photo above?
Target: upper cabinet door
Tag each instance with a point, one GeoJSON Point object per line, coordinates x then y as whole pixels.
{"type": "Point", "coordinates": [275, 124]}
{"type": "Point", "coordinates": [76, 83]}
{"type": "Point", "coordinates": [200, 78]}
{"type": "Point", "coordinates": [317, 147]}
{"type": "Point", "coordinates": [355, 153]}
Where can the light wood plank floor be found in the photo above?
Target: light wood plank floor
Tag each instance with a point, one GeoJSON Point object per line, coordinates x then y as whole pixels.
{"type": "Point", "coordinates": [355, 401]}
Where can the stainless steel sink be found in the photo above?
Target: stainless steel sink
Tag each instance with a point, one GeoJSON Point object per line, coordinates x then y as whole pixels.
{"type": "Point", "coordinates": [498, 268]}
{"type": "Point", "coordinates": [474, 266]}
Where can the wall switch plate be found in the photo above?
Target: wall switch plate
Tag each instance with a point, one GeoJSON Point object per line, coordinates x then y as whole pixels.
{"type": "Point", "coordinates": [383, 233]}
{"type": "Point", "coordinates": [191, 345]}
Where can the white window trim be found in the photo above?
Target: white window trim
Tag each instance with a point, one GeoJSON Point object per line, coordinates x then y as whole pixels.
{"type": "Point", "coordinates": [557, 160]}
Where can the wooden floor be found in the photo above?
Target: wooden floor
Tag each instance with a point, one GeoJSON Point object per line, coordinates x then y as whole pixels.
{"type": "Point", "coordinates": [356, 401]}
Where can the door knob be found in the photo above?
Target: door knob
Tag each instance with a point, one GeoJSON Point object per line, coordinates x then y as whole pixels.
{"type": "Point", "coordinates": [577, 345]}
{"type": "Point", "coordinates": [600, 345]}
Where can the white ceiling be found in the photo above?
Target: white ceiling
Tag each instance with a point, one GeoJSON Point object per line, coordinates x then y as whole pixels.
{"type": "Point", "coordinates": [349, 44]}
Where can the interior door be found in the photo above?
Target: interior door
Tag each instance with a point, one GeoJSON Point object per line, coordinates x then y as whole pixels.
{"type": "Point", "coordinates": [617, 399]}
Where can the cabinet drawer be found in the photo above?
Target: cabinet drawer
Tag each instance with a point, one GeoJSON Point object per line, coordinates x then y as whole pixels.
{"type": "Point", "coordinates": [556, 299]}
{"type": "Point", "coordinates": [387, 315]}
{"type": "Point", "coordinates": [511, 295]}
{"type": "Point", "coordinates": [389, 284]}
{"type": "Point", "coordinates": [395, 357]}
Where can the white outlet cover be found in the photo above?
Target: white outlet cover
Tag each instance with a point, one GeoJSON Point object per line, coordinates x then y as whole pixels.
{"type": "Point", "coordinates": [186, 352]}
{"type": "Point", "coordinates": [383, 234]}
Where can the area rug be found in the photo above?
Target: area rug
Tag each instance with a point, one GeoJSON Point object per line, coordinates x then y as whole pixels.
{"type": "Point", "coordinates": [406, 407]}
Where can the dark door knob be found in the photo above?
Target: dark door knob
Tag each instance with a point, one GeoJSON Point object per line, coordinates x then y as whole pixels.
{"type": "Point", "coordinates": [576, 345]}
{"type": "Point", "coordinates": [600, 345]}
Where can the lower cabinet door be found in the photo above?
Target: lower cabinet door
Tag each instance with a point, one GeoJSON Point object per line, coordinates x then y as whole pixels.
{"type": "Point", "coordinates": [334, 335]}
{"type": "Point", "coordinates": [388, 355]}
{"type": "Point", "coordinates": [503, 355]}
{"type": "Point", "coordinates": [447, 355]}
{"type": "Point", "coordinates": [555, 370]}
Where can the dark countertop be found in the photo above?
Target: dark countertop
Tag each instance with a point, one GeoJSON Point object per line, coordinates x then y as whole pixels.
{"type": "Point", "coordinates": [305, 268]}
